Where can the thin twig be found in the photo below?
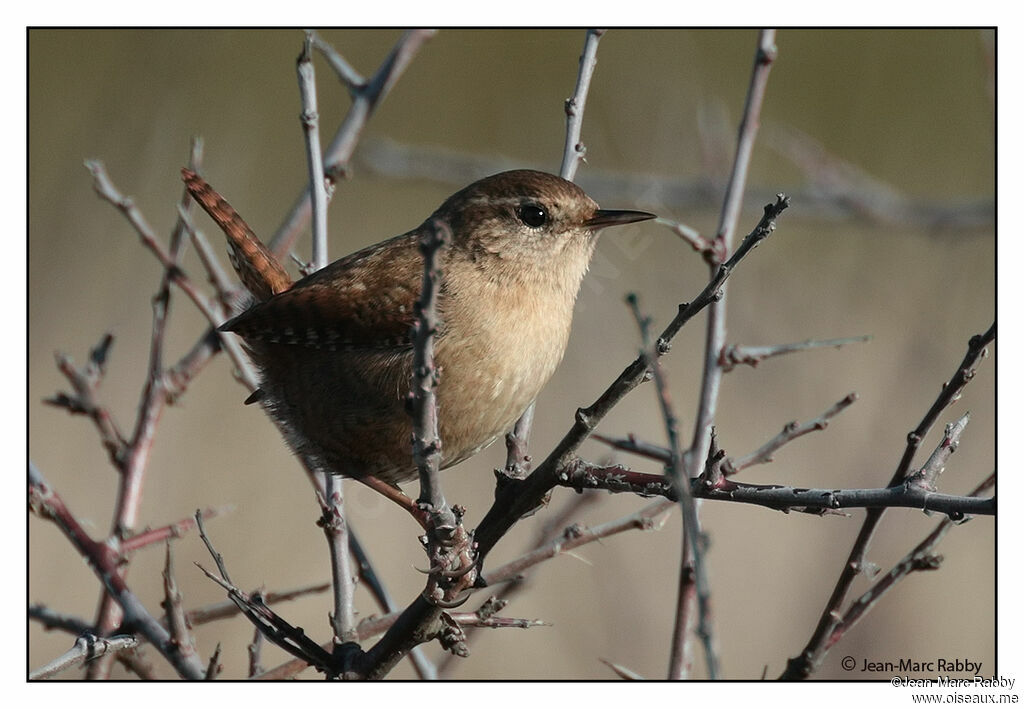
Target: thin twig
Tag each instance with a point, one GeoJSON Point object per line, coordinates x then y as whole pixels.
{"type": "Point", "coordinates": [693, 545]}
{"type": "Point", "coordinates": [790, 432]}
{"type": "Point", "coordinates": [335, 526]}
{"type": "Point", "coordinates": [54, 620]}
{"type": "Point", "coordinates": [314, 158]}
{"type": "Point", "coordinates": [134, 461]}
{"type": "Point", "coordinates": [697, 241]}
{"type": "Point", "coordinates": [448, 545]}
{"type": "Point", "coordinates": [227, 294]}
{"type": "Point", "coordinates": [715, 333]}
{"type": "Point", "coordinates": [228, 609]}
{"type": "Point", "coordinates": [734, 355]}
{"type": "Point", "coordinates": [366, 97]}
{"type": "Point", "coordinates": [692, 459]}
{"type": "Point", "coordinates": [277, 630]}
{"type": "Point", "coordinates": [85, 384]}
{"type": "Point", "coordinates": [729, 466]}
{"type": "Point", "coordinates": [173, 608]}
{"type": "Point", "coordinates": [213, 667]}
{"type": "Point", "coordinates": [621, 671]}
{"type": "Point", "coordinates": [106, 189]}
{"type": "Point", "coordinates": [928, 476]}
{"type": "Point", "coordinates": [255, 650]}
{"type": "Point", "coordinates": [575, 151]}
{"type": "Point", "coordinates": [649, 518]}
{"type": "Point", "coordinates": [333, 520]}
{"type": "Point", "coordinates": [170, 531]}
{"type": "Point", "coordinates": [517, 442]}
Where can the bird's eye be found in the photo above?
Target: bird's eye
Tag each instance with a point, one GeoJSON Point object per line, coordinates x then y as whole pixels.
{"type": "Point", "coordinates": [532, 215]}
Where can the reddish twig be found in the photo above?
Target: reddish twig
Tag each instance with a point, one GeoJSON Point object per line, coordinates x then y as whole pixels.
{"type": "Point", "coordinates": [105, 561]}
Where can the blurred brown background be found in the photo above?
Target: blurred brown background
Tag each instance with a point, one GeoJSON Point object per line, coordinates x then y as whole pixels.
{"type": "Point", "coordinates": [912, 109]}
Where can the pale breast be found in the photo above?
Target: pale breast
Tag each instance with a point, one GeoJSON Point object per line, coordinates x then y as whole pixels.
{"type": "Point", "coordinates": [494, 362]}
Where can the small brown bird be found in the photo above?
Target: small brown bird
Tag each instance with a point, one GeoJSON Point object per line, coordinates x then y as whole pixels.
{"type": "Point", "coordinates": [334, 350]}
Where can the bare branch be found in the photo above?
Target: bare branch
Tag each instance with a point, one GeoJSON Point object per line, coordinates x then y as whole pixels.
{"type": "Point", "coordinates": [86, 647]}
{"type": "Point", "coordinates": [314, 158]}
{"type": "Point", "coordinates": [715, 334]}
{"type": "Point", "coordinates": [175, 612]}
{"type": "Point", "coordinates": [928, 475]}
{"type": "Point", "coordinates": [170, 531]}
{"type": "Point", "coordinates": [85, 383]}
{"type": "Point", "coordinates": [228, 609]}
{"type": "Point", "coordinates": [791, 431]}
{"type": "Point", "coordinates": [581, 475]}
{"type": "Point", "coordinates": [45, 501]}
{"type": "Point", "coordinates": [651, 517]}
{"type": "Point", "coordinates": [366, 97]}
{"type": "Point", "coordinates": [575, 151]}
{"type": "Point", "coordinates": [426, 440]}
{"type": "Point", "coordinates": [277, 630]}
{"type": "Point", "coordinates": [753, 355]}
{"type": "Point", "coordinates": [920, 558]}
{"type": "Point", "coordinates": [335, 526]}
{"type": "Point", "coordinates": [807, 661]}
{"type": "Point", "coordinates": [697, 241]}
{"type": "Point", "coordinates": [693, 542]}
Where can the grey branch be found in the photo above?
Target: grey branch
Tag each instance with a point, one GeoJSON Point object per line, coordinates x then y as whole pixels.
{"type": "Point", "coordinates": [734, 355]}
{"type": "Point", "coordinates": [581, 475]}
{"type": "Point", "coordinates": [575, 150]}
{"type": "Point", "coordinates": [921, 558]}
{"type": "Point", "coordinates": [801, 666]}
{"type": "Point", "coordinates": [367, 95]}
{"type": "Point", "coordinates": [87, 647]}
{"type": "Point", "coordinates": [692, 542]}
{"type": "Point", "coordinates": [426, 439]}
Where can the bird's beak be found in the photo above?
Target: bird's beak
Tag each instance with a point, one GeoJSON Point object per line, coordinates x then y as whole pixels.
{"type": "Point", "coordinates": [613, 217]}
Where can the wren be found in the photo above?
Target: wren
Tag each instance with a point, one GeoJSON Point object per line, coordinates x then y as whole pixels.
{"type": "Point", "coordinates": [334, 349]}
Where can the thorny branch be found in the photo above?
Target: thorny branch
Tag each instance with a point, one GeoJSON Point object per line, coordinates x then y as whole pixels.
{"type": "Point", "coordinates": [104, 561]}
{"type": "Point", "coordinates": [803, 665]}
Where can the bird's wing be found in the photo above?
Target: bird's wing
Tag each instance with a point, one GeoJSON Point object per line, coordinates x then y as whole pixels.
{"type": "Point", "coordinates": [365, 301]}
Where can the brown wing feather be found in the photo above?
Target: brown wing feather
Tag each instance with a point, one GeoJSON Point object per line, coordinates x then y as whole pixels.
{"type": "Point", "coordinates": [363, 301]}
